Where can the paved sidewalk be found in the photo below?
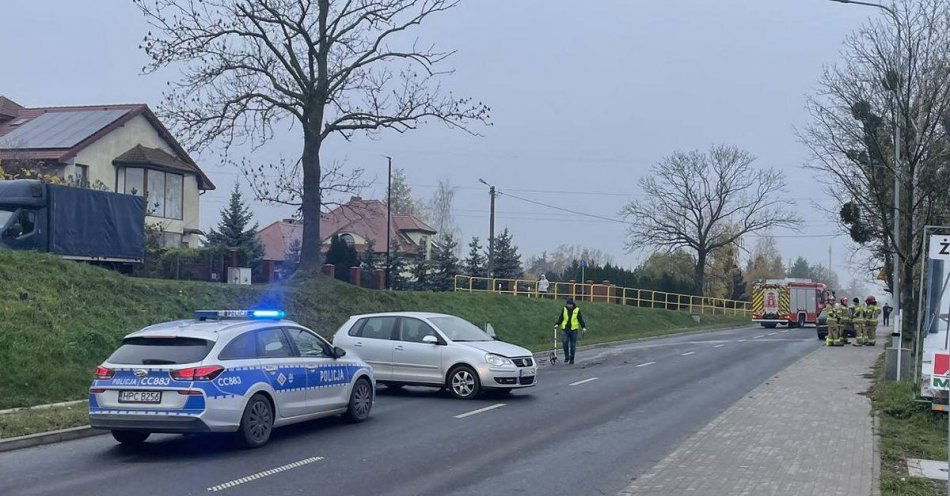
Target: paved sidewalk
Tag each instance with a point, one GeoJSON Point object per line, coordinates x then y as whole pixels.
{"type": "Point", "coordinates": [806, 431]}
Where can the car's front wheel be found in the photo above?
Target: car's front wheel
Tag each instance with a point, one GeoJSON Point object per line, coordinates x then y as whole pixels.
{"type": "Point", "coordinates": [463, 383]}
{"type": "Point", "coordinates": [257, 423]}
{"type": "Point", "coordinates": [361, 401]}
{"type": "Point", "coordinates": [130, 438]}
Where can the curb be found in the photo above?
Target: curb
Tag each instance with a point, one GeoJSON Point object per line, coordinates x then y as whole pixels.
{"type": "Point", "coordinates": [876, 453]}
{"type": "Point", "coordinates": [41, 407]}
{"type": "Point", "coordinates": [607, 344]}
{"type": "Point", "coordinates": [39, 439]}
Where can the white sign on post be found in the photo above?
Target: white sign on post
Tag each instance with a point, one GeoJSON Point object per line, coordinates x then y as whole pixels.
{"type": "Point", "coordinates": [939, 247]}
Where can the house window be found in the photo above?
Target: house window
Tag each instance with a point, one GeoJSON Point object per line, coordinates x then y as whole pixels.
{"type": "Point", "coordinates": [163, 191]}
{"type": "Point", "coordinates": [171, 240]}
{"type": "Point", "coordinates": [134, 183]}
{"type": "Point", "coordinates": [155, 193]}
{"type": "Point", "coordinates": [82, 175]}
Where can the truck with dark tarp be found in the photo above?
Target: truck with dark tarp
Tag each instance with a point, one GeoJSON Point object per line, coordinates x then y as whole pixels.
{"type": "Point", "coordinates": [75, 223]}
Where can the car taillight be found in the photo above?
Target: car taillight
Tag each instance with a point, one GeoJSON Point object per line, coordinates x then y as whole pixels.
{"type": "Point", "coordinates": [97, 390]}
{"type": "Point", "coordinates": [206, 373]}
{"type": "Point", "coordinates": [189, 392]}
{"type": "Point", "coordinates": [104, 373]}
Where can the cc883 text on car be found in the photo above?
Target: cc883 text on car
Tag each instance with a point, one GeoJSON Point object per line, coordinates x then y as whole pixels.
{"type": "Point", "coordinates": [437, 350]}
{"type": "Point", "coordinates": [243, 371]}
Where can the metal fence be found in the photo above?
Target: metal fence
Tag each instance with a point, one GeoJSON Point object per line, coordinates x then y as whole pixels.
{"type": "Point", "coordinates": [605, 293]}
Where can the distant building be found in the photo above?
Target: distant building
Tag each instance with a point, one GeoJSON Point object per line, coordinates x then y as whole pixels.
{"type": "Point", "coordinates": [359, 222]}
{"type": "Point", "coordinates": [123, 148]}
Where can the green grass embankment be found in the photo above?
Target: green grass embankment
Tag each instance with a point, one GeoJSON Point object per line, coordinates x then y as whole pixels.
{"type": "Point", "coordinates": [59, 319]}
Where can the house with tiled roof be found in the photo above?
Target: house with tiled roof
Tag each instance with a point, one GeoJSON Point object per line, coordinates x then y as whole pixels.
{"type": "Point", "coordinates": [123, 148]}
{"type": "Point", "coordinates": [360, 223]}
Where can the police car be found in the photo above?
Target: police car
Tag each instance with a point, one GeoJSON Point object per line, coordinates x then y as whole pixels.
{"type": "Point", "coordinates": [242, 371]}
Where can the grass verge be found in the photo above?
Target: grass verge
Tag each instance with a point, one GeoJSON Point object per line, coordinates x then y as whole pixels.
{"type": "Point", "coordinates": [23, 422]}
{"type": "Point", "coordinates": [59, 319]}
{"type": "Point", "coordinates": [908, 429]}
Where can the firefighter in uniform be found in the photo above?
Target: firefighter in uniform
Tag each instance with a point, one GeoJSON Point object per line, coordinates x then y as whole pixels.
{"type": "Point", "coordinates": [871, 313]}
{"type": "Point", "coordinates": [844, 318]}
{"type": "Point", "coordinates": [857, 316]}
{"type": "Point", "coordinates": [833, 327]}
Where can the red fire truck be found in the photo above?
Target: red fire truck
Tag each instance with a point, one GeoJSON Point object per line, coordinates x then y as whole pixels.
{"type": "Point", "coordinates": [791, 302]}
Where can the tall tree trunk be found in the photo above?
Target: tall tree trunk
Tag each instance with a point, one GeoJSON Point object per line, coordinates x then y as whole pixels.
{"type": "Point", "coordinates": [310, 162]}
{"type": "Point", "coordinates": [699, 274]}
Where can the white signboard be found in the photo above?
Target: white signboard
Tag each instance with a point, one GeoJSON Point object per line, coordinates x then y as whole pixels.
{"type": "Point", "coordinates": [939, 247]}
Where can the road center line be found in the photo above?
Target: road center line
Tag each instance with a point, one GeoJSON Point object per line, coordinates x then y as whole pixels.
{"type": "Point", "coordinates": [582, 382]}
{"type": "Point", "coordinates": [719, 346]}
{"type": "Point", "coordinates": [742, 340]}
{"type": "Point", "coordinates": [266, 473]}
{"type": "Point", "coordinates": [759, 336]}
{"type": "Point", "coordinates": [771, 334]}
{"type": "Point", "coordinates": [480, 410]}
{"type": "Point", "coordinates": [688, 353]}
{"type": "Point", "coordinates": [645, 364]}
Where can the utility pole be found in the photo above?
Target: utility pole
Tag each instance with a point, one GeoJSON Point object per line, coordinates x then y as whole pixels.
{"type": "Point", "coordinates": [389, 223]}
{"type": "Point", "coordinates": [491, 230]}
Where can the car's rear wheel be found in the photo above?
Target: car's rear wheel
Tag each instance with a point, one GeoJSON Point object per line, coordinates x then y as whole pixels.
{"type": "Point", "coordinates": [257, 423]}
{"type": "Point", "coordinates": [801, 320]}
{"type": "Point", "coordinates": [361, 401]}
{"type": "Point", "coordinates": [130, 438]}
{"type": "Point", "coordinates": [463, 383]}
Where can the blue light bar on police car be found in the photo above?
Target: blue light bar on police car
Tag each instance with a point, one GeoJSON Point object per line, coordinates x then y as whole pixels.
{"type": "Point", "coordinates": [239, 314]}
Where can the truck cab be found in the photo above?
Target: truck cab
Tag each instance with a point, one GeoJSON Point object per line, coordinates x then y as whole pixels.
{"type": "Point", "coordinates": [23, 215]}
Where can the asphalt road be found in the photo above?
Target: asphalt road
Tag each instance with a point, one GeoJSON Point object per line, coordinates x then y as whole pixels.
{"type": "Point", "coordinates": [587, 428]}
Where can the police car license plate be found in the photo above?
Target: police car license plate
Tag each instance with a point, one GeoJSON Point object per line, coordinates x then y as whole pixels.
{"type": "Point", "coordinates": [140, 396]}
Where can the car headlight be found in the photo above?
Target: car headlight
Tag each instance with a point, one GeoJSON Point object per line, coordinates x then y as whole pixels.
{"type": "Point", "coordinates": [498, 360]}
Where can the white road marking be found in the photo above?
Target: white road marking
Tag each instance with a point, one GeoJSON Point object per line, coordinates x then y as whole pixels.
{"type": "Point", "coordinates": [480, 410]}
{"type": "Point", "coordinates": [771, 334]}
{"type": "Point", "coordinates": [645, 364]}
{"type": "Point", "coordinates": [688, 353]}
{"type": "Point", "coordinates": [719, 346]}
{"type": "Point", "coordinates": [742, 340]}
{"type": "Point", "coordinates": [261, 475]}
{"type": "Point", "coordinates": [759, 336]}
{"type": "Point", "coordinates": [582, 382]}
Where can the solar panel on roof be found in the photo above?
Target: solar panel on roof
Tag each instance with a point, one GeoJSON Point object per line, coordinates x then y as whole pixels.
{"type": "Point", "coordinates": [59, 129]}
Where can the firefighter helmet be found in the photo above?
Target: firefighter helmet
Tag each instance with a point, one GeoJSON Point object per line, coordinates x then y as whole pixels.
{"type": "Point", "coordinates": [844, 300]}
{"type": "Point", "coordinates": [871, 300]}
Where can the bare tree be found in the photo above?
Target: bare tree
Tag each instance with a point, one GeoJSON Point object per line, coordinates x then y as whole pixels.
{"type": "Point", "coordinates": [894, 70]}
{"type": "Point", "coordinates": [333, 67]}
{"type": "Point", "coordinates": [440, 209]}
{"type": "Point", "coordinates": [705, 201]}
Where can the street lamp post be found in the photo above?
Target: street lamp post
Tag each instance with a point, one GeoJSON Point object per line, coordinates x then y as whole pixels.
{"type": "Point", "coordinates": [389, 222]}
{"type": "Point", "coordinates": [491, 231]}
{"type": "Point", "coordinates": [896, 285]}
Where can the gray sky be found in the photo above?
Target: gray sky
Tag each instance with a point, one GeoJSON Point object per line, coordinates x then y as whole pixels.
{"type": "Point", "coordinates": [585, 97]}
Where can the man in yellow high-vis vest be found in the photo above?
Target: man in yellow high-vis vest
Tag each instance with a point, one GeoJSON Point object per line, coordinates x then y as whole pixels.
{"type": "Point", "coordinates": [570, 321]}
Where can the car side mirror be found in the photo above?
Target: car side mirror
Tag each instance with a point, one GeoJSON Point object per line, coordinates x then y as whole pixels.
{"type": "Point", "coordinates": [430, 339]}
{"type": "Point", "coordinates": [490, 331]}
{"type": "Point", "coordinates": [338, 352]}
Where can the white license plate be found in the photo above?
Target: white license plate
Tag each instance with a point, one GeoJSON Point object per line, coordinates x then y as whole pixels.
{"type": "Point", "coordinates": [140, 396]}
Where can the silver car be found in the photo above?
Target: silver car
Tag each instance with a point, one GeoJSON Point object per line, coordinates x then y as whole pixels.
{"type": "Point", "coordinates": [241, 371]}
{"type": "Point", "coordinates": [438, 350]}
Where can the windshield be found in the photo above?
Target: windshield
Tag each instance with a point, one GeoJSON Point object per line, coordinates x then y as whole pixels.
{"type": "Point", "coordinates": [458, 329]}
{"type": "Point", "coordinates": [161, 351]}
